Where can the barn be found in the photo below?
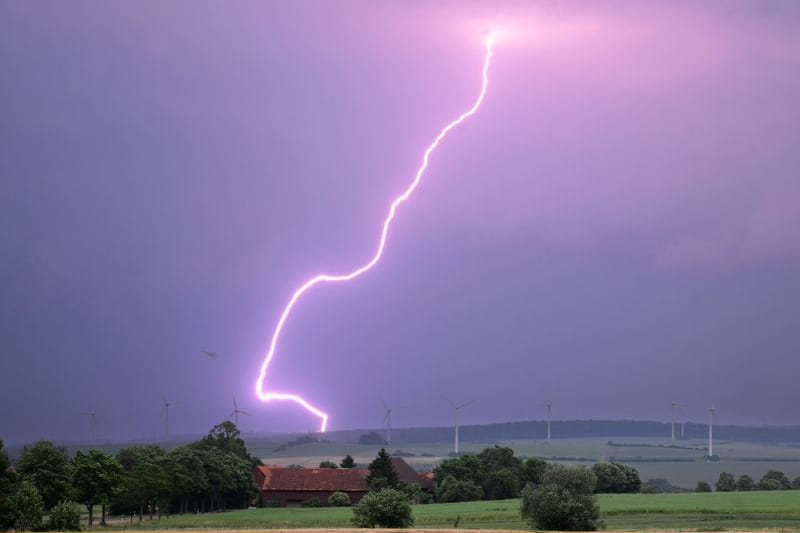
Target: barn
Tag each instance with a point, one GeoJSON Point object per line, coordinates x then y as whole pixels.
{"type": "Point", "coordinates": [291, 487]}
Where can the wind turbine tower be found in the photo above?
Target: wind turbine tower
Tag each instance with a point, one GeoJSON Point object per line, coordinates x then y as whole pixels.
{"type": "Point", "coordinates": [388, 419]}
{"type": "Point", "coordinates": [165, 413]}
{"type": "Point", "coordinates": [711, 411]}
{"type": "Point", "coordinates": [93, 416]}
{"type": "Point", "coordinates": [457, 411]}
{"type": "Point", "coordinates": [236, 412]}
{"type": "Point", "coordinates": [549, 406]}
{"type": "Point", "coordinates": [674, 405]}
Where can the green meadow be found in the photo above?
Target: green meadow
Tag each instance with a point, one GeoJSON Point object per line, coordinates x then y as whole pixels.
{"type": "Point", "coordinates": [685, 511]}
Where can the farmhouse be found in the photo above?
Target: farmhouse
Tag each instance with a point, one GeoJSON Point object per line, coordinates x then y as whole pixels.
{"type": "Point", "coordinates": [291, 487]}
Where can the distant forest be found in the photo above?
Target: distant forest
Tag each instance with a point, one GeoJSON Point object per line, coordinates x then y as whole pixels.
{"type": "Point", "coordinates": [537, 429]}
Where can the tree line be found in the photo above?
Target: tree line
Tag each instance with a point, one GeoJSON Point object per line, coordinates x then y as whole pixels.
{"type": "Point", "coordinates": [211, 474]}
{"type": "Point", "coordinates": [496, 474]}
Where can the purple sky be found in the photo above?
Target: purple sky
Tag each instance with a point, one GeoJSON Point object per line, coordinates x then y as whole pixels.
{"type": "Point", "coordinates": [618, 227]}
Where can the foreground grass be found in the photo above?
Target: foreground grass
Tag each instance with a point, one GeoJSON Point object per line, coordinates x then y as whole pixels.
{"type": "Point", "coordinates": [714, 511]}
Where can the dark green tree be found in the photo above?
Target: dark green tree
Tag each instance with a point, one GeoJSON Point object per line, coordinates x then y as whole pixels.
{"type": "Point", "coordinates": [451, 489]}
{"type": "Point", "coordinates": [796, 483]}
{"type": "Point", "coordinates": [499, 457]}
{"type": "Point", "coordinates": [745, 483]}
{"type": "Point", "coordinates": [381, 472]}
{"type": "Point", "coordinates": [501, 484]}
{"type": "Point", "coordinates": [702, 486]}
{"type": "Point", "coordinates": [387, 508]}
{"type": "Point", "coordinates": [6, 485]}
{"type": "Point", "coordinates": [227, 437]}
{"type": "Point", "coordinates": [533, 470]}
{"type": "Point", "coordinates": [47, 467]}
{"type": "Point", "coordinates": [348, 462]}
{"type": "Point", "coordinates": [146, 480]}
{"type": "Point", "coordinates": [725, 483]}
{"type": "Point", "coordinates": [328, 464]}
{"type": "Point", "coordinates": [781, 482]}
{"type": "Point", "coordinates": [97, 479]}
{"type": "Point", "coordinates": [633, 482]}
{"type": "Point", "coordinates": [610, 478]}
{"type": "Point", "coordinates": [28, 506]}
{"type": "Point", "coordinates": [464, 468]}
{"type": "Point", "coordinates": [188, 479]}
{"type": "Point", "coordinates": [564, 500]}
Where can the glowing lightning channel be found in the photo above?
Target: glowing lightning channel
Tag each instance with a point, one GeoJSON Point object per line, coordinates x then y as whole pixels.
{"type": "Point", "coordinates": [267, 396]}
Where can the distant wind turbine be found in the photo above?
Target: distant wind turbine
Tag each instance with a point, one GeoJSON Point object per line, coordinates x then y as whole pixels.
{"type": "Point", "coordinates": [711, 411]}
{"type": "Point", "coordinates": [165, 413]}
{"type": "Point", "coordinates": [93, 416]}
{"type": "Point", "coordinates": [549, 406]}
{"type": "Point", "coordinates": [236, 412]}
{"type": "Point", "coordinates": [388, 419]}
{"type": "Point", "coordinates": [673, 406]}
{"type": "Point", "coordinates": [457, 411]}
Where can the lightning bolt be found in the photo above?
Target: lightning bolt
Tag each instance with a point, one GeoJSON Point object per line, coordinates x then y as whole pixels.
{"type": "Point", "coordinates": [267, 396]}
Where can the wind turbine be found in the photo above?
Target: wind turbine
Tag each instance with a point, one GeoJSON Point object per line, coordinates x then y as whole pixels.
{"type": "Point", "coordinates": [549, 406]}
{"type": "Point", "coordinates": [673, 406]}
{"type": "Point", "coordinates": [388, 419]}
{"type": "Point", "coordinates": [457, 410]}
{"type": "Point", "coordinates": [236, 412]}
{"type": "Point", "coordinates": [93, 416]}
{"type": "Point", "coordinates": [165, 414]}
{"type": "Point", "coordinates": [711, 411]}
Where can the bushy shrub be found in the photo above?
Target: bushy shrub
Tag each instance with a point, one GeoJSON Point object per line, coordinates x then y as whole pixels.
{"type": "Point", "coordinates": [339, 499]}
{"type": "Point", "coordinates": [455, 490]}
{"type": "Point", "coordinates": [328, 464]}
{"type": "Point", "coordinates": [702, 486]}
{"type": "Point", "coordinates": [796, 483]}
{"type": "Point", "coordinates": [564, 501]}
{"type": "Point", "coordinates": [65, 516]}
{"type": "Point", "coordinates": [312, 502]}
{"type": "Point", "coordinates": [388, 508]}
{"type": "Point", "coordinates": [411, 490]}
{"type": "Point", "coordinates": [28, 507]}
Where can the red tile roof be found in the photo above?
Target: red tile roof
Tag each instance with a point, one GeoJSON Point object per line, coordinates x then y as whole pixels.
{"type": "Point", "coordinates": [310, 479]}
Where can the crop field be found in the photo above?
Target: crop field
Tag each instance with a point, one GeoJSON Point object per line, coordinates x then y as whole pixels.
{"type": "Point", "coordinates": [689, 511]}
{"type": "Point", "coordinates": [682, 465]}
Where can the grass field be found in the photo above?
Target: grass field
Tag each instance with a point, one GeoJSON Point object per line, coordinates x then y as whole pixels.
{"type": "Point", "coordinates": [689, 511]}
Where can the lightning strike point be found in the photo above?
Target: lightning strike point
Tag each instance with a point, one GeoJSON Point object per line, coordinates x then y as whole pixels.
{"type": "Point", "coordinates": [268, 396]}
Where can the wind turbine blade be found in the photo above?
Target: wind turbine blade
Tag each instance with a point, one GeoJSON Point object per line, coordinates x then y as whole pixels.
{"type": "Point", "coordinates": [231, 415]}
{"type": "Point", "coordinates": [244, 413]}
{"type": "Point", "coordinates": [235, 407]}
{"type": "Point", "coordinates": [465, 404]}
